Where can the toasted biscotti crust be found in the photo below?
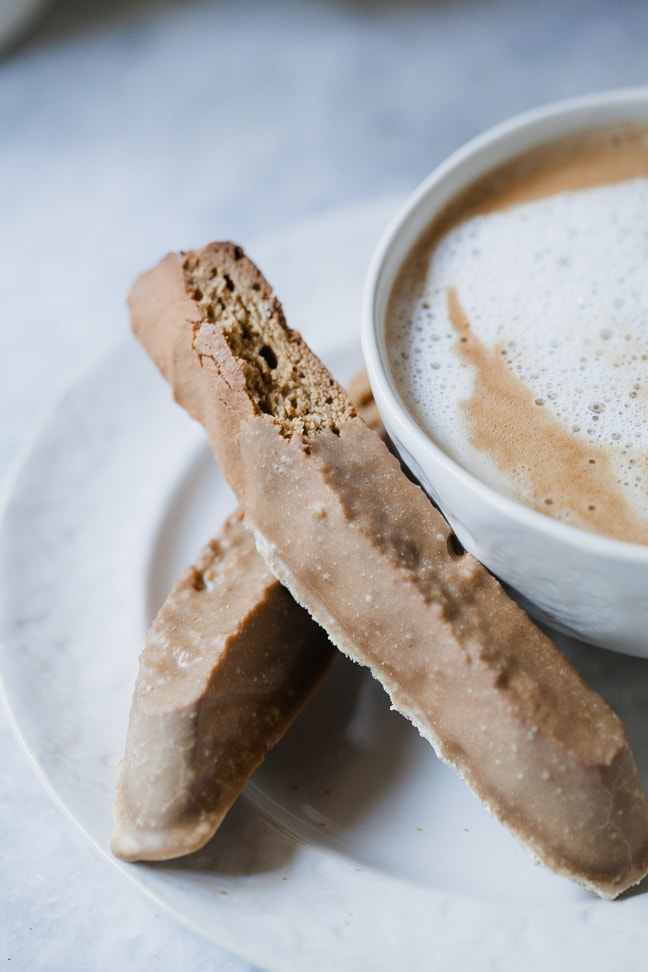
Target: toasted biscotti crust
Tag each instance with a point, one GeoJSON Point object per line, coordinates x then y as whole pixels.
{"type": "Point", "coordinates": [229, 662]}
{"type": "Point", "coordinates": [366, 552]}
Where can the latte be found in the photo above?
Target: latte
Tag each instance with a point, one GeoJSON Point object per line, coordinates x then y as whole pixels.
{"type": "Point", "coordinates": [518, 331]}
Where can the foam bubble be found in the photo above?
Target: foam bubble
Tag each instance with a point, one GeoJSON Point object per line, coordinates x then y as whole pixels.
{"type": "Point", "coordinates": [558, 288]}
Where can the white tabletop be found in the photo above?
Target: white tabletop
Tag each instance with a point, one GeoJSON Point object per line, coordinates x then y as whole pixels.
{"type": "Point", "coordinates": [131, 128]}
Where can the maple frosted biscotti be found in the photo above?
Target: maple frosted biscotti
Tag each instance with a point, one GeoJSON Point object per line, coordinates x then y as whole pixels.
{"type": "Point", "coordinates": [366, 552]}
{"type": "Point", "coordinates": [229, 662]}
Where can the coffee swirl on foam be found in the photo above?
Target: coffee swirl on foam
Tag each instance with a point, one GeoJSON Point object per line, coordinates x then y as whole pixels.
{"type": "Point", "coordinates": [518, 332]}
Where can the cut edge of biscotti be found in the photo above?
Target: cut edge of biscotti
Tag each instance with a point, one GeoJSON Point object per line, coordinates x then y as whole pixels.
{"type": "Point", "coordinates": [283, 379]}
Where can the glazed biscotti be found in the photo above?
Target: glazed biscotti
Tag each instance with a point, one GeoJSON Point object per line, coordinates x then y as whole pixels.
{"type": "Point", "coordinates": [363, 549]}
{"type": "Point", "coordinates": [229, 662]}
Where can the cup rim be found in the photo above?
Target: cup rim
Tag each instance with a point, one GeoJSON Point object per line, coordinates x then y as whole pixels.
{"type": "Point", "coordinates": [403, 421]}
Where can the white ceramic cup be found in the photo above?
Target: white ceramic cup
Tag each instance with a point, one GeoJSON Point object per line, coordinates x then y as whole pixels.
{"type": "Point", "coordinates": [587, 585]}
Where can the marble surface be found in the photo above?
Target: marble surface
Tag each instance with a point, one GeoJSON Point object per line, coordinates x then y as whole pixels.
{"type": "Point", "coordinates": [131, 128]}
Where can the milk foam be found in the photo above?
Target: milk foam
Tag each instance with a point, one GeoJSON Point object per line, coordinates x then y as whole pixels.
{"type": "Point", "coordinates": [559, 288]}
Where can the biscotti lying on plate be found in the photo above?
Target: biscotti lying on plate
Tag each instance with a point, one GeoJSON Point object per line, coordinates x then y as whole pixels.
{"type": "Point", "coordinates": [229, 662]}
{"type": "Point", "coordinates": [363, 549]}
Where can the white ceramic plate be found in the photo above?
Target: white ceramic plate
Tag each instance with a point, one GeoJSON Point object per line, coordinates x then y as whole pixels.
{"type": "Point", "coordinates": [353, 847]}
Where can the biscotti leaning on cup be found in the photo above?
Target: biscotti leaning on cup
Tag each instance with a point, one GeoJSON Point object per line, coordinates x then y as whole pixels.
{"type": "Point", "coordinates": [365, 551]}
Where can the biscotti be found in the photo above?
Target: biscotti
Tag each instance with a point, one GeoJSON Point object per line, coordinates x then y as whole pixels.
{"type": "Point", "coordinates": [229, 662]}
{"type": "Point", "coordinates": [365, 551]}
{"type": "Point", "coordinates": [209, 672]}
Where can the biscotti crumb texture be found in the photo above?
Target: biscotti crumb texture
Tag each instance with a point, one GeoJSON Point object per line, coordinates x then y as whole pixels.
{"type": "Point", "coordinates": [366, 552]}
{"type": "Point", "coordinates": [281, 380]}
